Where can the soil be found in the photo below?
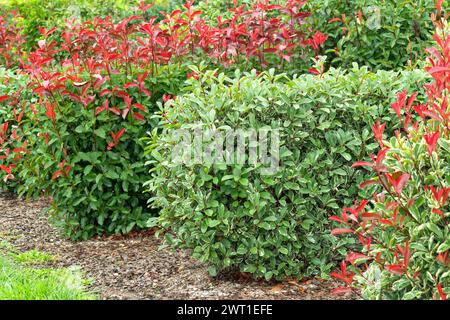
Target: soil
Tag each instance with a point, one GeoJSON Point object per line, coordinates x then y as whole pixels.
{"type": "Point", "coordinates": [135, 267]}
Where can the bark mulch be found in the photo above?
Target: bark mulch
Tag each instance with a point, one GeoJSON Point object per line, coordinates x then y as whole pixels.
{"type": "Point", "coordinates": [134, 267]}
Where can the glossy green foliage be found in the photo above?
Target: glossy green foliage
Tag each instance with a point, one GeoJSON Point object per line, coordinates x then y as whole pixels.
{"type": "Point", "coordinates": [381, 34]}
{"type": "Point", "coordinates": [271, 226]}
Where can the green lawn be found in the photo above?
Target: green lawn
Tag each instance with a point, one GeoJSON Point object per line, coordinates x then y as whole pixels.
{"type": "Point", "coordinates": [22, 279]}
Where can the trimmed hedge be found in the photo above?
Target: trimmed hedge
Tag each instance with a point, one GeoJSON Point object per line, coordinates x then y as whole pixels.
{"type": "Point", "coordinates": [271, 226]}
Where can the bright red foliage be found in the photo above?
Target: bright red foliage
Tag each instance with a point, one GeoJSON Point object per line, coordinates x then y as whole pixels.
{"type": "Point", "coordinates": [96, 53]}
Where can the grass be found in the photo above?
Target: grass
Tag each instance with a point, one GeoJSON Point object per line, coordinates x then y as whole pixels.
{"type": "Point", "coordinates": [21, 278]}
{"type": "Point", "coordinates": [33, 257]}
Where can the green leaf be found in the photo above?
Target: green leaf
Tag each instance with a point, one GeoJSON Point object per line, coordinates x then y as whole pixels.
{"type": "Point", "coordinates": [265, 225]}
{"type": "Point", "coordinates": [243, 181]}
{"type": "Point", "coordinates": [346, 156]}
{"type": "Point", "coordinates": [112, 175]}
{"type": "Point", "coordinates": [100, 132]}
{"type": "Point", "coordinates": [88, 170]}
{"type": "Point", "coordinates": [212, 271]}
{"type": "Point", "coordinates": [242, 250]}
{"type": "Point", "coordinates": [213, 223]}
{"type": "Point", "coordinates": [444, 246]}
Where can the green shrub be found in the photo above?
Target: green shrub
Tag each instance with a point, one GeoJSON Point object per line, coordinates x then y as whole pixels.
{"type": "Point", "coordinates": [390, 34]}
{"type": "Point", "coordinates": [220, 8]}
{"type": "Point", "coordinates": [271, 226]}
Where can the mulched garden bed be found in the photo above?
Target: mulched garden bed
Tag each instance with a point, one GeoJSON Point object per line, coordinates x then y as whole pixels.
{"type": "Point", "coordinates": [134, 267]}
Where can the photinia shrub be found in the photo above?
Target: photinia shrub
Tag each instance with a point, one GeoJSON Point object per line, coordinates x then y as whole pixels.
{"type": "Point", "coordinates": [272, 226]}
{"type": "Point", "coordinates": [32, 14]}
{"type": "Point", "coordinates": [403, 230]}
{"type": "Point", "coordinates": [11, 40]}
{"type": "Point", "coordinates": [15, 97]}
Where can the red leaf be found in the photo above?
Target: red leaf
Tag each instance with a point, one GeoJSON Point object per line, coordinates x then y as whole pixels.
{"type": "Point", "coordinates": [120, 133]}
{"type": "Point", "coordinates": [443, 258]}
{"type": "Point", "coordinates": [139, 106]}
{"type": "Point", "coordinates": [335, 20]}
{"type": "Point", "coordinates": [441, 292]}
{"type": "Point", "coordinates": [138, 116]}
{"type": "Point", "coordinates": [105, 92]}
{"type": "Point", "coordinates": [438, 69]}
{"type": "Point", "coordinates": [18, 150]}
{"type": "Point", "coordinates": [368, 183]}
{"type": "Point", "coordinates": [174, 13]}
{"type": "Point", "coordinates": [129, 85]}
{"type": "Point", "coordinates": [402, 181]}
{"type": "Point", "coordinates": [395, 269]}
{"type": "Point", "coordinates": [352, 256]}
{"type": "Point", "coordinates": [432, 115]}
{"type": "Point", "coordinates": [125, 113]}
{"type": "Point", "coordinates": [99, 110]}
{"type": "Point", "coordinates": [362, 164]}
{"type": "Point", "coordinates": [341, 220]}
{"type": "Point", "coordinates": [4, 129]}
{"type": "Point", "coordinates": [8, 170]}
{"type": "Point", "coordinates": [378, 130]}
{"type": "Point", "coordinates": [411, 101]}
{"type": "Point", "coordinates": [343, 275]}
{"type": "Point", "coordinates": [314, 71]}
{"type": "Point", "coordinates": [337, 231]}
{"type": "Point", "coordinates": [399, 183]}
{"type": "Point", "coordinates": [115, 110]}
{"type": "Point", "coordinates": [370, 216]}
{"type": "Point", "coordinates": [432, 140]}
{"type": "Point", "coordinates": [56, 175]}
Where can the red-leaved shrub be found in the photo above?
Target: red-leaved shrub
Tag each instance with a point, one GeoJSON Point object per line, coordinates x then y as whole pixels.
{"type": "Point", "coordinates": [404, 231]}
{"type": "Point", "coordinates": [11, 40]}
